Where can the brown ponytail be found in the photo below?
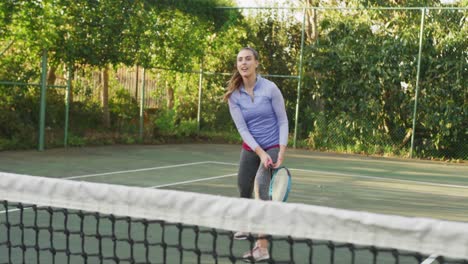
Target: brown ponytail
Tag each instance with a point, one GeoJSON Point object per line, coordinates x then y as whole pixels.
{"type": "Point", "coordinates": [233, 84]}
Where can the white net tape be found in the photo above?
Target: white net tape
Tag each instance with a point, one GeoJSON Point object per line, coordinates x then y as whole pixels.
{"type": "Point", "coordinates": [427, 236]}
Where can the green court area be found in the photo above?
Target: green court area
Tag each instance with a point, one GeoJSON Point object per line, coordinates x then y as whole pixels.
{"type": "Point", "coordinates": [369, 184]}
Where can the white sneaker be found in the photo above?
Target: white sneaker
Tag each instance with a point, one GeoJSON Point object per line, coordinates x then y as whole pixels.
{"type": "Point", "coordinates": [241, 235]}
{"type": "Point", "coordinates": [256, 254]}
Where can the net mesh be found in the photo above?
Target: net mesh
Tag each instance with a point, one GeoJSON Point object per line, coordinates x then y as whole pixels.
{"type": "Point", "coordinates": [45, 220]}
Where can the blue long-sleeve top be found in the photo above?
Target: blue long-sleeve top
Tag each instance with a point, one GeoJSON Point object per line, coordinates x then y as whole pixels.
{"type": "Point", "coordinates": [261, 120]}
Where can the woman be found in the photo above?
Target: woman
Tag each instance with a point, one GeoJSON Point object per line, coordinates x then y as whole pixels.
{"type": "Point", "coordinates": [257, 109]}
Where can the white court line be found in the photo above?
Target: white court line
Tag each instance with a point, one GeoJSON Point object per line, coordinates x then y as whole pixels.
{"type": "Point", "coordinates": [363, 176]}
{"type": "Point", "coordinates": [430, 259]}
{"type": "Point", "coordinates": [224, 163]}
{"type": "Point", "coordinates": [165, 185]}
{"type": "Point", "coordinates": [382, 178]}
{"type": "Point", "coordinates": [192, 181]}
{"type": "Point", "coordinates": [153, 168]}
{"type": "Point", "coordinates": [137, 170]}
{"type": "Point", "coordinates": [235, 164]}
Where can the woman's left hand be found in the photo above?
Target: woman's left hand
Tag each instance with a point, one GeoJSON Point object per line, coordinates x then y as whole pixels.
{"type": "Point", "coordinates": [280, 159]}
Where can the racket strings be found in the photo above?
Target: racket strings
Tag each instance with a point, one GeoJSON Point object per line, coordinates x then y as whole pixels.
{"type": "Point", "coordinates": [280, 185]}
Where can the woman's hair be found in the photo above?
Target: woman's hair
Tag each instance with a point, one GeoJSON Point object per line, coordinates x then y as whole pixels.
{"type": "Point", "coordinates": [236, 79]}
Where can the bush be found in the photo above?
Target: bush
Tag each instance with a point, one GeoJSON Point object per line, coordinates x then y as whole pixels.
{"type": "Point", "coordinates": [124, 111]}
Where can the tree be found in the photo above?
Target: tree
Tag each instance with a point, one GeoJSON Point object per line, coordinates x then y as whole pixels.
{"type": "Point", "coordinates": [363, 69]}
{"type": "Point", "coordinates": [311, 19]}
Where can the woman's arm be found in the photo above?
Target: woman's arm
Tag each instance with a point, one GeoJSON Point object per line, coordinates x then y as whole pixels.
{"type": "Point", "coordinates": [280, 111]}
{"type": "Point", "coordinates": [241, 125]}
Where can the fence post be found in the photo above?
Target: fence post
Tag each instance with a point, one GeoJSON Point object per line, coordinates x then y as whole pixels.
{"type": "Point", "coordinates": [421, 30]}
{"type": "Point", "coordinates": [43, 101]}
{"type": "Point", "coordinates": [142, 105]}
{"type": "Point", "coordinates": [67, 104]}
{"type": "Point", "coordinates": [200, 83]}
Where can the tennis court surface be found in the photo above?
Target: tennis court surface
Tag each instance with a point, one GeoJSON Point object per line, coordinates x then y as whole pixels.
{"type": "Point", "coordinates": [178, 204]}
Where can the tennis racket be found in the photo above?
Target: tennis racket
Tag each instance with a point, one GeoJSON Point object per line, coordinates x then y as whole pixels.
{"type": "Point", "coordinates": [280, 184]}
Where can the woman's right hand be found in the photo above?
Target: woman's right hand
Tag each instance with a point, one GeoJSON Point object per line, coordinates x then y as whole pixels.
{"type": "Point", "coordinates": [264, 157]}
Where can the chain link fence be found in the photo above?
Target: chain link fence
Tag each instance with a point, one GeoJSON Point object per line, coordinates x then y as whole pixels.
{"type": "Point", "coordinates": [376, 81]}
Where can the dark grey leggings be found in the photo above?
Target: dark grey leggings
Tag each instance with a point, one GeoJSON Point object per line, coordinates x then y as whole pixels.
{"type": "Point", "coordinates": [252, 173]}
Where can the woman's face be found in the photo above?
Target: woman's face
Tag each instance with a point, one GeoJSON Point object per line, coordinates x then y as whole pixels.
{"type": "Point", "coordinates": [246, 63]}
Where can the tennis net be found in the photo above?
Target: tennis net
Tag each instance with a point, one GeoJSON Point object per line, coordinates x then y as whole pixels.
{"type": "Point", "coordinates": [45, 220]}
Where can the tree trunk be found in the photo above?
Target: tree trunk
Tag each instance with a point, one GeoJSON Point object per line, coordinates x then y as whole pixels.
{"type": "Point", "coordinates": [105, 97]}
{"type": "Point", "coordinates": [72, 76]}
{"type": "Point", "coordinates": [311, 30]}
{"type": "Point", "coordinates": [136, 81]}
{"type": "Point", "coordinates": [52, 76]}
{"type": "Point", "coordinates": [311, 21]}
{"type": "Point", "coordinates": [170, 96]}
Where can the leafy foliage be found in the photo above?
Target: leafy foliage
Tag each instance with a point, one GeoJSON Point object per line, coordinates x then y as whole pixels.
{"type": "Point", "coordinates": [361, 76]}
{"type": "Point", "coordinates": [357, 93]}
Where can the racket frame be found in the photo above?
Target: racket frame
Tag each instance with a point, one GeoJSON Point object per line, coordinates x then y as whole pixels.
{"type": "Point", "coordinates": [273, 173]}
